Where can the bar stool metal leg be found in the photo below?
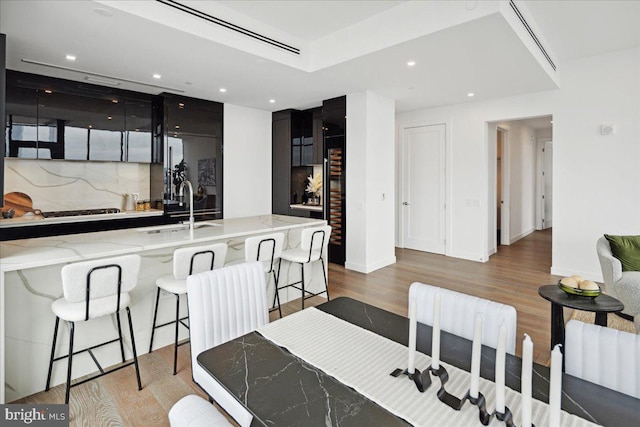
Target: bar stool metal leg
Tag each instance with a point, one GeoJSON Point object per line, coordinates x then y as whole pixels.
{"type": "Point", "coordinates": [302, 283]}
{"type": "Point", "coordinates": [133, 348]}
{"type": "Point", "coordinates": [120, 336]}
{"type": "Point", "coordinates": [326, 282]}
{"type": "Point", "coordinates": [53, 353]}
{"type": "Point", "coordinates": [155, 317]}
{"type": "Point", "coordinates": [175, 342]}
{"type": "Point", "coordinates": [276, 278]}
{"type": "Point", "coordinates": [72, 326]}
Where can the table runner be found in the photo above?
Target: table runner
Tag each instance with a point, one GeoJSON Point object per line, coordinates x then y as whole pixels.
{"type": "Point", "coordinates": [363, 360]}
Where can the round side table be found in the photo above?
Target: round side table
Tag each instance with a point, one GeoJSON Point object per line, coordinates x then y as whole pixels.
{"type": "Point", "coordinates": [600, 305]}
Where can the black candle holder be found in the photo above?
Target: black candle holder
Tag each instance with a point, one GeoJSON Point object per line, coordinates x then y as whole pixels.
{"type": "Point", "coordinates": [422, 379]}
{"type": "Point", "coordinates": [506, 417]}
{"type": "Point", "coordinates": [481, 403]}
{"type": "Point", "coordinates": [445, 397]}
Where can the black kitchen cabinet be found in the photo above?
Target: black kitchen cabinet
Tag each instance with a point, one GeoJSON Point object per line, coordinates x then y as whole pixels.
{"type": "Point", "coordinates": [334, 114]}
{"type": "Point", "coordinates": [318, 136]}
{"type": "Point", "coordinates": [281, 131]}
{"type": "Point", "coordinates": [193, 152]}
{"type": "Point", "coordinates": [51, 118]}
{"type": "Point", "coordinates": [3, 91]}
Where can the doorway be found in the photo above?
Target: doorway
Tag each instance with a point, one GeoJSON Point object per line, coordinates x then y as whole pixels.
{"type": "Point", "coordinates": [544, 196]}
{"type": "Point", "coordinates": [519, 193]}
{"type": "Point", "coordinates": [423, 188]}
{"type": "Point", "coordinates": [502, 187]}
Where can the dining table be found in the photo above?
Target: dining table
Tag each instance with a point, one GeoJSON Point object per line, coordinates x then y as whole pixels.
{"type": "Point", "coordinates": [281, 388]}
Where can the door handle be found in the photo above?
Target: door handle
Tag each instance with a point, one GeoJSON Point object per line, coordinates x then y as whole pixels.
{"type": "Point", "coordinates": [405, 203]}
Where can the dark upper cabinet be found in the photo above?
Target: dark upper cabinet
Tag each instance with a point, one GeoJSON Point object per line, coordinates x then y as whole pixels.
{"type": "Point", "coordinates": [193, 152]}
{"type": "Point", "coordinates": [49, 118]}
{"type": "Point", "coordinates": [281, 149]}
{"type": "Point", "coordinates": [306, 137]}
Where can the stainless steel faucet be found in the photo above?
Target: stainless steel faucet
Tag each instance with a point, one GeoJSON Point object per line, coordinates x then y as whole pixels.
{"type": "Point", "coordinates": [181, 194]}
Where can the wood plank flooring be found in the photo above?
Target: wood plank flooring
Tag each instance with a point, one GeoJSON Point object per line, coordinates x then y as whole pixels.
{"type": "Point", "coordinates": [512, 276]}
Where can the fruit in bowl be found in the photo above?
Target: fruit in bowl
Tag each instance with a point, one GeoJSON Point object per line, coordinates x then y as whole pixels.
{"type": "Point", "coordinates": [576, 285]}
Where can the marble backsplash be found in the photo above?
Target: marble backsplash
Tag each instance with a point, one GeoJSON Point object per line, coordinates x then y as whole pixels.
{"type": "Point", "coordinates": [68, 185]}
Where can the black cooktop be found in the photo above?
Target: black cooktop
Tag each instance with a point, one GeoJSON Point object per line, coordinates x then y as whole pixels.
{"type": "Point", "coordinates": [55, 214]}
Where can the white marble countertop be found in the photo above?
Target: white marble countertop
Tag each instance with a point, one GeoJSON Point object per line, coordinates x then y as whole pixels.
{"type": "Point", "coordinates": [30, 219]}
{"type": "Point", "coordinates": [318, 208]}
{"type": "Point", "coordinates": [43, 251]}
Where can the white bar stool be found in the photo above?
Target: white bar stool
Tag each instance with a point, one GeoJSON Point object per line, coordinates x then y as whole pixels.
{"type": "Point", "coordinates": [93, 289]}
{"type": "Point", "coordinates": [186, 261]}
{"type": "Point", "coordinates": [267, 248]}
{"type": "Point", "coordinates": [313, 244]}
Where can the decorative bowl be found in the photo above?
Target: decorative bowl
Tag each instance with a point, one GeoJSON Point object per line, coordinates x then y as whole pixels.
{"type": "Point", "coordinates": [592, 293]}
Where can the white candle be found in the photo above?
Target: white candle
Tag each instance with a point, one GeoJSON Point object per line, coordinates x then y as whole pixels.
{"type": "Point", "coordinates": [411, 368]}
{"type": "Point", "coordinates": [525, 386]}
{"type": "Point", "coordinates": [500, 358]}
{"type": "Point", "coordinates": [555, 388]}
{"type": "Point", "coordinates": [435, 336]}
{"type": "Point", "coordinates": [475, 357]}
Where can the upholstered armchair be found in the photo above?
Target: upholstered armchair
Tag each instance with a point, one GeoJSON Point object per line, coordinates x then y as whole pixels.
{"type": "Point", "coordinates": [623, 285]}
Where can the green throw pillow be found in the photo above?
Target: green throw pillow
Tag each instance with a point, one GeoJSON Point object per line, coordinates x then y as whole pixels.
{"type": "Point", "coordinates": [627, 250]}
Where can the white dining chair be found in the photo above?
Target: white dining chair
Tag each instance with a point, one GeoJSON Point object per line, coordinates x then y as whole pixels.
{"type": "Point", "coordinates": [93, 289]}
{"type": "Point", "coordinates": [458, 312]}
{"type": "Point", "coordinates": [604, 356]}
{"type": "Point", "coordinates": [186, 261]}
{"type": "Point", "coordinates": [225, 304]}
{"type": "Point", "coordinates": [313, 245]}
{"type": "Point", "coordinates": [267, 248]}
{"type": "Point", "coordinates": [194, 411]}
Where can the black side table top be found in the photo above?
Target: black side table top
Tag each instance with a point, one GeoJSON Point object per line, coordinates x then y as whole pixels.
{"type": "Point", "coordinates": [600, 304]}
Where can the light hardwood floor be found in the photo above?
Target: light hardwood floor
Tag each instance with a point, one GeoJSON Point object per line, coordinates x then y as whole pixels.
{"type": "Point", "coordinates": [512, 276]}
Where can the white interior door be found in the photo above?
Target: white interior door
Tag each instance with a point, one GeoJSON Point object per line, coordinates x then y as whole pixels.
{"type": "Point", "coordinates": [423, 188]}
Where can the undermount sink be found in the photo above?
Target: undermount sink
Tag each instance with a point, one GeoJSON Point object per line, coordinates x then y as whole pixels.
{"type": "Point", "coordinates": [176, 227]}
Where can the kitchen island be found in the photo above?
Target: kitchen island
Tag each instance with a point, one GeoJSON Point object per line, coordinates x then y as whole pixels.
{"type": "Point", "coordinates": [30, 281]}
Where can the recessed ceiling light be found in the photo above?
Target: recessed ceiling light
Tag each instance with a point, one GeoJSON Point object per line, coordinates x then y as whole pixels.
{"type": "Point", "coordinates": [90, 126]}
{"type": "Point", "coordinates": [48, 91]}
{"type": "Point", "coordinates": [115, 101]}
{"type": "Point", "coordinates": [109, 118]}
{"type": "Point", "coordinates": [222, 90]}
{"type": "Point", "coordinates": [411, 63]}
{"type": "Point", "coordinates": [471, 94]}
{"type": "Point", "coordinates": [71, 57]}
{"type": "Point", "coordinates": [177, 126]}
{"type": "Point", "coordinates": [157, 76]}
{"type": "Point", "coordinates": [180, 105]}
{"type": "Point", "coordinates": [272, 101]}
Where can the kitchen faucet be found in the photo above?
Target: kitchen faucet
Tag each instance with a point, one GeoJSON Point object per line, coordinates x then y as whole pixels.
{"type": "Point", "coordinates": [181, 194]}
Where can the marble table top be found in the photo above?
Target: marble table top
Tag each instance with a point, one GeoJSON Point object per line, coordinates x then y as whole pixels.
{"type": "Point", "coordinates": [43, 251]}
{"type": "Point", "coordinates": [274, 370]}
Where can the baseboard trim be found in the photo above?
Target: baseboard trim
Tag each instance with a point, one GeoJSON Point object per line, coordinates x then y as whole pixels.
{"type": "Point", "coordinates": [368, 268]}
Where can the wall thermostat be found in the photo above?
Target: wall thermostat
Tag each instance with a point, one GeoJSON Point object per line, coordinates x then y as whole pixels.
{"type": "Point", "coordinates": [606, 129]}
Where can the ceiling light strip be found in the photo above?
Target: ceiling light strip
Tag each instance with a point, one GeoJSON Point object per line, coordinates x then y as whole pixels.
{"type": "Point", "coordinates": [199, 14]}
{"type": "Point", "coordinates": [531, 33]}
{"type": "Point", "coordinates": [60, 67]}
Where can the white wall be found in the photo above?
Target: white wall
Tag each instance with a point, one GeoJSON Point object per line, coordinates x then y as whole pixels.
{"type": "Point", "coordinates": [370, 182]}
{"type": "Point", "coordinates": [247, 162]}
{"type": "Point", "coordinates": [596, 178]}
